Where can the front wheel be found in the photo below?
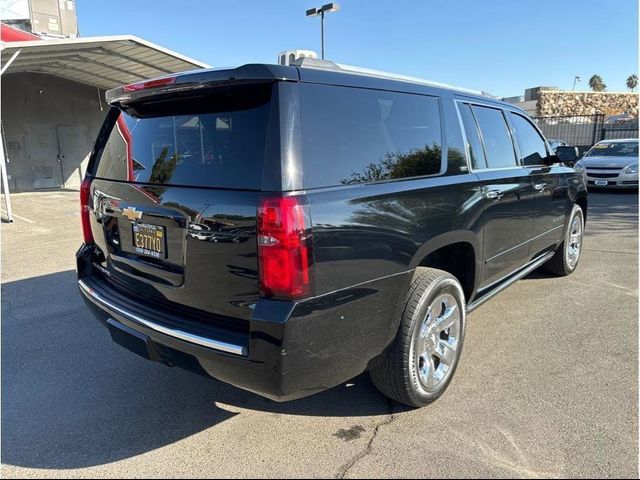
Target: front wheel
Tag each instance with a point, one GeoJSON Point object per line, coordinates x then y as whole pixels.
{"type": "Point", "coordinates": [567, 256]}
{"type": "Point", "coordinates": [421, 361]}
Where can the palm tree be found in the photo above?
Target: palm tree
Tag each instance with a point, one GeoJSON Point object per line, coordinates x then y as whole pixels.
{"type": "Point", "coordinates": [596, 84]}
{"type": "Point", "coordinates": [632, 82]}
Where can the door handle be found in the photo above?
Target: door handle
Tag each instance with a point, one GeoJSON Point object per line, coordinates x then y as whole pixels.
{"type": "Point", "coordinates": [540, 186]}
{"type": "Point", "coordinates": [494, 194]}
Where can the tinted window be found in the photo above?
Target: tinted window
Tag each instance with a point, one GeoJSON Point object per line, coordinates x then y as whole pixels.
{"type": "Point", "coordinates": [352, 135]}
{"type": "Point", "coordinates": [474, 144]}
{"type": "Point", "coordinates": [215, 140]}
{"type": "Point", "coordinates": [496, 138]}
{"type": "Point", "coordinates": [532, 148]}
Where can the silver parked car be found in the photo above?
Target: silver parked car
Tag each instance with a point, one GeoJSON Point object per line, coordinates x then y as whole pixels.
{"type": "Point", "coordinates": [611, 164]}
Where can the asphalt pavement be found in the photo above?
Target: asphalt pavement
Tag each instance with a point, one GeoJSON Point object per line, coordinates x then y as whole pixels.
{"type": "Point", "coordinates": [547, 385]}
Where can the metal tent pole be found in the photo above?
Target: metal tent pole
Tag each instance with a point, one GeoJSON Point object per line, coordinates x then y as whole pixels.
{"type": "Point", "coordinates": [5, 180]}
{"type": "Point", "coordinates": [3, 158]}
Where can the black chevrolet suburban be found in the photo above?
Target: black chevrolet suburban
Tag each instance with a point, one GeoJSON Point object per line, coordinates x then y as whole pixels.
{"type": "Point", "coordinates": [285, 228]}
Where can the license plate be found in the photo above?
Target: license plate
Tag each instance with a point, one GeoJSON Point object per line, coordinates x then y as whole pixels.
{"type": "Point", "coordinates": [149, 240]}
{"type": "Point", "coordinates": [602, 183]}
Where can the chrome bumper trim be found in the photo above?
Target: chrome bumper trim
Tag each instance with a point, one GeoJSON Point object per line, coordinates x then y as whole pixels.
{"type": "Point", "coordinates": [98, 299]}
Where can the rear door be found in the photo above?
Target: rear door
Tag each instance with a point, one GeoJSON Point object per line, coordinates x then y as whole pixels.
{"type": "Point", "coordinates": [507, 220]}
{"type": "Point", "coordinates": [175, 192]}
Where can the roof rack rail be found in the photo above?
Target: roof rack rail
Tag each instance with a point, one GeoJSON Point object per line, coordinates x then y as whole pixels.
{"type": "Point", "coordinates": [308, 62]}
{"type": "Point", "coordinates": [329, 65]}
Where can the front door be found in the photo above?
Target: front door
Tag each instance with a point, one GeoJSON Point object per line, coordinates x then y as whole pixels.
{"type": "Point", "coordinates": [42, 154]}
{"type": "Point", "coordinates": [73, 153]}
{"type": "Point", "coordinates": [549, 184]}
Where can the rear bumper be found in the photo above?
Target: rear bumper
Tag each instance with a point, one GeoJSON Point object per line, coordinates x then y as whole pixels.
{"type": "Point", "coordinates": [290, 351]}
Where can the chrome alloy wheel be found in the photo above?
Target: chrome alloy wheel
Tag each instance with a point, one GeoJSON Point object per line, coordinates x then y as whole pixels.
{"type": "Point", "coordinates": [574, 242]}
{"type": "Point", "coordinates": [435, 346]}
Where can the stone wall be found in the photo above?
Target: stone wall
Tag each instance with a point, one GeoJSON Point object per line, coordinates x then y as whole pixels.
{"type": "Point", "coordinates": [553, 103]}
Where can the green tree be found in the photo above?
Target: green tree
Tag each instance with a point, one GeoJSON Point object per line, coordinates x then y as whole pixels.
{"type": "Point", "coordinates": [163, 168]}
{"type": "Point", "coordinates": [416, 163]}
{"type": "Point", "coordinates": [597, 84]}
{"type": "Point", "coordinates": [632, 82]}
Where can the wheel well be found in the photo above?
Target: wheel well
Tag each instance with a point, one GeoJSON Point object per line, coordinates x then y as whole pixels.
{"type": "Point", "coordinates": [459, 260]}
{"type": "Point", "coordinates": [582, 202]}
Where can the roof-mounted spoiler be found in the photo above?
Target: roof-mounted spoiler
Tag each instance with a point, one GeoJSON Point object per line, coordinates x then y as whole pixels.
{"type": "Point", "coordinates": [199, 80]}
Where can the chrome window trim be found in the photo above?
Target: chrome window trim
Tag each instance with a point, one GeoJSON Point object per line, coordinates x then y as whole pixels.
{"type": "Point", "coordinates": [504, 109]}
{"type": "Point", "coordinates": [535, 127]}
{"type": "Point", "coordinates": [464, 133]}
{"type": "Point", "coordinates": [95, 297]}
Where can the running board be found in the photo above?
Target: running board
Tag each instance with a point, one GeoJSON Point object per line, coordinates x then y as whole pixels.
{"type": "Point", "coordinates": [517, 276]}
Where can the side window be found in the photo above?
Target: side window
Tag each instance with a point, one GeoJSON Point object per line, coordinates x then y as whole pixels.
{"type": "Point", "coordinates": [533, 150]}
{"type": "Point", "coordinates": [354, 135]}
{"type": "Point", "coordinates": [496, 138]}
{"type": "Point", "coordinates": [474, 144]}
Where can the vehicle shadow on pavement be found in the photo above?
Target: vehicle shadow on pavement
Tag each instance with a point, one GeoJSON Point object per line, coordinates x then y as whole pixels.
{"type": "Point", "coordinates": [71, 398]}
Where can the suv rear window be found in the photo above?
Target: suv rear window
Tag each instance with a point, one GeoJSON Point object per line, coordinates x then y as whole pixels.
{"type": "Point", "coordinates": [214, 140]}
{"type": "Point", "coordinates": [353, 135]}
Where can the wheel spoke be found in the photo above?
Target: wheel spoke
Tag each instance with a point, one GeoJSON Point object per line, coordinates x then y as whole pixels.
{"type": "Point", "coordinates": [448, 318]}
{"type": "Point", "coordinates": [431, 373]}
{"type": "Point", "coordinates": [446, 351]}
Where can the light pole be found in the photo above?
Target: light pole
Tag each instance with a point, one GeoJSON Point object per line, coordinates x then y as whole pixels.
{"type": "Point", "coordinates": [576, 79]}
{"type": "Point", "coordinates": [314, 12]}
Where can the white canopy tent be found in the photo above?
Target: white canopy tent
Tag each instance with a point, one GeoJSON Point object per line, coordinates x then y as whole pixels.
{"type": "Point", "coordinates": [102, 62]}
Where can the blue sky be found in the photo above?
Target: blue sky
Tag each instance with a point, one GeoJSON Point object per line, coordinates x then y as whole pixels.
{"type": "Point", "coordinates": [498, 46]}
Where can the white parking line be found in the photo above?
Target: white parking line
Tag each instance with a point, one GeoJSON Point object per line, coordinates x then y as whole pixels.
{"type": "Point", "coordinates": [17, 216]}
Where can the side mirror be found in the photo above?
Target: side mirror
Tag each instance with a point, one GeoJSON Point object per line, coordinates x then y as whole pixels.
{"type": "Point", "coordinates": [567, 154]}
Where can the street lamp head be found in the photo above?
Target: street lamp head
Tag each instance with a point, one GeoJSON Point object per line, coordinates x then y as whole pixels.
{"type": "Point", "coordinates": [330, 7]}
{"type": "Point", "coordinates": [326, 8]}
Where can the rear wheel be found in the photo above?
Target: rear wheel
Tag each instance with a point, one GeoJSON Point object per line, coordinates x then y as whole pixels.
{"type": "Point", "coordinates": [420, 363]}
{"type": "Point", "coordinates": [567, 256]}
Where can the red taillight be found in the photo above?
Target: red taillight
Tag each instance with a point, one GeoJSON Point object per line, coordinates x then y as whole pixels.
{"type": "Point", "coordinates": [159, 82]}
{"type": "Point", "coordinates": [85, 193]}
{"type": "Point", "coordinates": [284, 247]}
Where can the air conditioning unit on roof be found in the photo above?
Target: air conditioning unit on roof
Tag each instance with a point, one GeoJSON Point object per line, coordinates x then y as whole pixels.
{"type": "Point", "coordinates": [289, 56]}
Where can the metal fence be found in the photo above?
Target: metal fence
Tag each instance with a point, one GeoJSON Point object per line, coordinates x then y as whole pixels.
{"type": "Point", "coordinates": [583, 131]}
{"type": "Point", "coordinates": [620, 130]}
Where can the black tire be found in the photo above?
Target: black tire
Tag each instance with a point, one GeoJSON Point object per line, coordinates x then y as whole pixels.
{"type": "Point", "coordinates": [397, 375]}
{"type": "Point", "coordinates": [560, 263]}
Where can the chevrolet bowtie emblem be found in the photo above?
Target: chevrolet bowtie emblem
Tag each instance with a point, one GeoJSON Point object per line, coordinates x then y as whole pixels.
{"type": "Point", "coordinates": [131, 213]}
